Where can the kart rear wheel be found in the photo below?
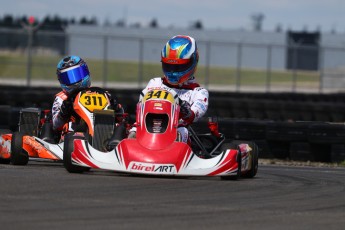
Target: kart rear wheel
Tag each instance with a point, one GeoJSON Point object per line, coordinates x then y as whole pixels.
{"type": "Point", "coordinates": [226, 145]}
{"type": "Point", "coordinates": [18, 155]}
{"type": "Point", "coordinates": [67, 154]}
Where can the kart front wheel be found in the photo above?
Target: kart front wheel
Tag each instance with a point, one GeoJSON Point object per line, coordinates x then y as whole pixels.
{"type": "Point", "coordinates": [67, 154]}
{"type": "Point", "coordinates": [254, 161]}
{"type": "Point", "coordinates": [18, 155]}
{"type": "Point", "coordinates": [254, 158]}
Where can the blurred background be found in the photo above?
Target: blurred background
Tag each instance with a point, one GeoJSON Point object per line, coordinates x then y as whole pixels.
{"type": "Point", "coordinates": [244, 46]}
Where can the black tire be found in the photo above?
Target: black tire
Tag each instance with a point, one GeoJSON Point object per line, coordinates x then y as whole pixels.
{"type": "Point", "coordinates": [102, 134]}
{"type": "Point", "coordinates": [18, 155]}
{"type": "Point", "coordinates": [5, 161]}
{"type": "Point", "coordinates": [254, 161]}
{"type": "Point", "coordinates": [67, 151]}
{"type": "Point", "coordinates": [229, 145]}
{"type": "Point", "coordinates": [255, 157]}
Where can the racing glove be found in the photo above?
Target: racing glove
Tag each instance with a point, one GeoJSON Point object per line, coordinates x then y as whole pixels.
{"type": "Point", "coordinates": [186, 113]}
{"type": "Point", "coordinates": [66, 109]}
{"type": "Point", "coordinates": [118, 108]}
{"type": "Point", "coordinates": [120, 115]}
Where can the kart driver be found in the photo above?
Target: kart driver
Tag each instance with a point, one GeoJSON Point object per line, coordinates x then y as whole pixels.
{"type": "Point", "coordinates": [179, 59]}
{"type": "Point", "coordinates": [72, 73]}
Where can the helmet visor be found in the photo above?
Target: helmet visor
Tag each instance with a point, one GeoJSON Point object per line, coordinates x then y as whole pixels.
{"type": "Point", "coordinates": [73, 75]}
{"type": "Point", "coordinates": [177, 67]}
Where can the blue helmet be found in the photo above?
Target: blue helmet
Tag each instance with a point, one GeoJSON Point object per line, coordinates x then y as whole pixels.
{"type": "Point", "coordinates": [179, 59]}
{"type": "Point", "coordinates": [73, 73]}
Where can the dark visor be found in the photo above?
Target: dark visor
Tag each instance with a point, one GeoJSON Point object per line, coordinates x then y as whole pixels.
{"type": "Point", "coordinates": [176, 67]}
{"type": "Point", "coordinates": [74, 75]}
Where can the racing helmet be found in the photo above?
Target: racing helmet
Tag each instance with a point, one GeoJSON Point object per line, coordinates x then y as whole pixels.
{"type": "Point", "coordinates": [179, 59]}
{"type": "Point", "coordinates": [73, 73]}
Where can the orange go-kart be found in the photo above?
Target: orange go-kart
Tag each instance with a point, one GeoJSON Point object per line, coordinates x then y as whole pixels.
{"type": "Point", "coordinates": [34, 138]}
{"type": "Point", "coordinates": [93, 119]}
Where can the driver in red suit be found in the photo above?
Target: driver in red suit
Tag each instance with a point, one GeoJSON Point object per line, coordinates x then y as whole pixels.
{"type": "Point", "coordinates": [179, 59]}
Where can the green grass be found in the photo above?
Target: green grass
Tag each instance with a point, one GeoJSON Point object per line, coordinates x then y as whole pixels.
{"type": "Point", "coordinates": [342, 164]}
{"type": "Point", "coordinates": [15, 67]}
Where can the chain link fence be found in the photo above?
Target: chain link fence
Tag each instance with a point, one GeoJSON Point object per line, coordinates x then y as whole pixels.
{"type": "Point", "coordinates": [30, 58]}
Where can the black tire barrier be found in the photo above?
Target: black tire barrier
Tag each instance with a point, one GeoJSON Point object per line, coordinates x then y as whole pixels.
{"type": "Point", "coordinates": [259, 106]}
{"type": "Point", "coordinates": [256, 109]}
{"type": "Point", "coordinates": [321, 152]}
{"type": "Point", "coordinates": [249, 130]}
{"type": "Point", "coordinates": [280, 134]}
{"type": "Point", "coordinates": [264, 149]}
{"type": "Point", "coordinates": [287, 131]}
{"type": "Point", "coordinates": [337, 152]}
{"type": "Point", "coordinates": [325, 133]}
{"type": "Point", "coordinates": [301, 151]}
{"type": "Point", "coordinates": [4, 116]}
{"type": "Point", "coordinates": [270, 119]}
{"type": "Point", "coordinates": [9, 117]}
{"type": "Point", "coordinates": [273, 111]}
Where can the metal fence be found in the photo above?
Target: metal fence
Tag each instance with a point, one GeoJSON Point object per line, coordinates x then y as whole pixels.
{"type": "Point", "coordinates": [30, 58]}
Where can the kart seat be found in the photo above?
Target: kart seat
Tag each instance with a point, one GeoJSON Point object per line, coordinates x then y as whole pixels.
{"type": "Point", "coordinates": [157, 123]}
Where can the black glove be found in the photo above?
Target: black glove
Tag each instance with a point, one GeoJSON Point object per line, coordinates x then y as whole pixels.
{"type": "Point", "coordinates": [117, 106]}
{"type": "Point", "coordinates": [66, 109]}
{"type": "Point", "coordinates": [185, 110]}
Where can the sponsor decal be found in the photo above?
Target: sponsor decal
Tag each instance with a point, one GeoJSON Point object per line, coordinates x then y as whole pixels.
{"type": "Point", "coordinates": [205, 93]}
{"type": "Point", "coordinates": [201, 106]}
{"type": "Point", "coordinates": [245, 162]}
{"type": "Point", "coordinates": [158, 106]}
{"type": "Point", "coordinates": [152, 168]}
{"type": "Point", "coordinates": [184, 94]}
{"type": "Point", "coordinates": [31, 142]}
{"type": "Point", "coordinates": [5, 149]}
{"type": "Point", "coordinates": [172, 61]}
{"type": "Point", "coordinates": [93, 100]}
{"type": "Point", "coordinates": [159, 94]}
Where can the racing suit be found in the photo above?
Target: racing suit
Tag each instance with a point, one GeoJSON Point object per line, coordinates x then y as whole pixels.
{"type": "Point", "coordinates": [58, 121]}
{"type": "Point", "coordinates": [190, 92]}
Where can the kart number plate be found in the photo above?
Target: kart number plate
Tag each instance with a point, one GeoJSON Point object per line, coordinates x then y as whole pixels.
{"type": "Point", "coordinates": [93, 101]}
{"type": "Point", "coordinates": [159, 94]}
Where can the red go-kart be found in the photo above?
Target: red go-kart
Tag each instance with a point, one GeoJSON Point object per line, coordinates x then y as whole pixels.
{"type": "Point", "coordinates": [157, 151]}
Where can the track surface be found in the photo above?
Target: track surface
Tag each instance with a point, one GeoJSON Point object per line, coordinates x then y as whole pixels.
{"type": "Point", "coordinates": [43, 195]}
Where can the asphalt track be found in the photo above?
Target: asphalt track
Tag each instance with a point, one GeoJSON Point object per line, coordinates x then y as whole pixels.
{"type": "Point", "coordinates": [43, 195]}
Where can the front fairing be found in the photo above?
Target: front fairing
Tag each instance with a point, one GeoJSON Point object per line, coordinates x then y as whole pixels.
{"type": "Point", "coordinates": [157, 123]}
{"type": "Point", "coordinates": [88, 101]}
